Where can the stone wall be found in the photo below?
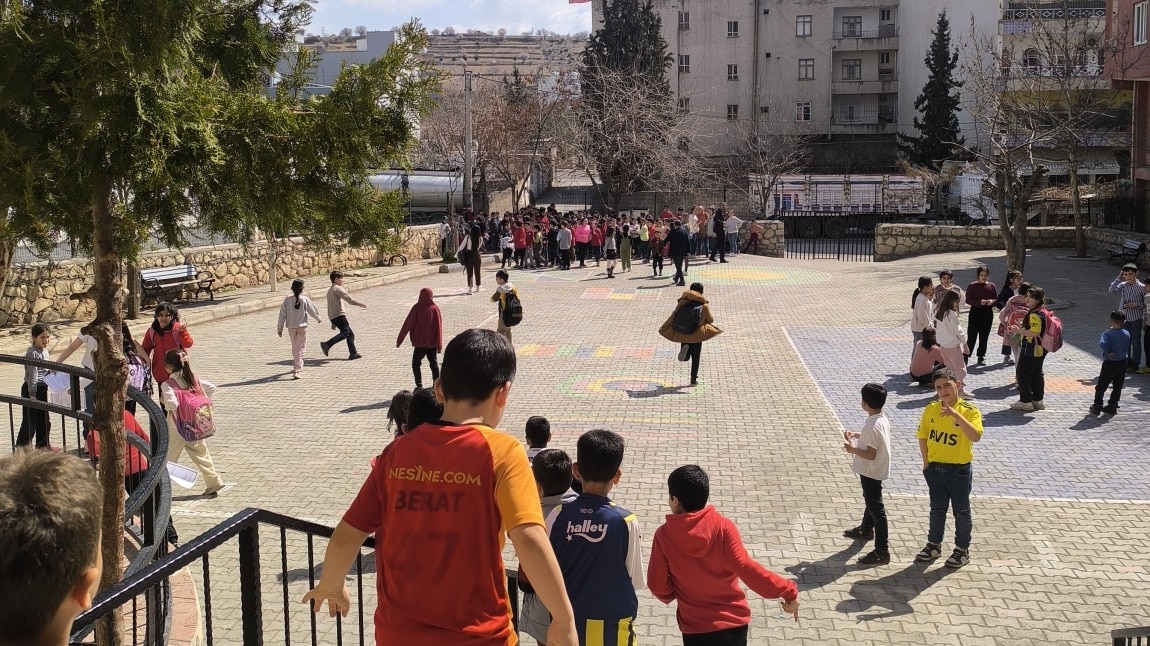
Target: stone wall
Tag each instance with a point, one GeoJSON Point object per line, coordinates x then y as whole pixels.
{"type": "Point", "coordinates": [771, 242]}
{"type": "Point", "coordinates": [45, 292]}
{"type": "Point", "coordinates": [1098, 239]}
{"type": "Point", "coordinates": [894, 241]}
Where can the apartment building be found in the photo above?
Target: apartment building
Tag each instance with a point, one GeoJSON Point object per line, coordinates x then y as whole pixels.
{"type": "Point", "coordinates": [1129, 68]}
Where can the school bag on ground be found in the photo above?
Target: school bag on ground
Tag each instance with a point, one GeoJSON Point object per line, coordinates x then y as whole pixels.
{"type": "Point", "coordinates": [1052, 332]}
{"type": "Point", "coordinates": [513, 311]}
{"type": "Point", "coordinates": [193, 412]}
{"type": "Point", "coordinates": [687, 318]}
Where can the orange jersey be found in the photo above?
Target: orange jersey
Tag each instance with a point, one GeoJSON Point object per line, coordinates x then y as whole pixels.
{"type": "Point", "coordinates": [440, 501]}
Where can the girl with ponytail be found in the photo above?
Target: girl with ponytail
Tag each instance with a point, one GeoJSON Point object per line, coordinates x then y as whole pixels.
{"type": "Point", "coordinates": [294, 313]}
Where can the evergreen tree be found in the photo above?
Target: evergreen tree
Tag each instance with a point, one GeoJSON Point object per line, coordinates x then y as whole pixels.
{"type": "Point", "coordinates": [625, 103]}
{"type": "Point", "coordinates": [939, 137]}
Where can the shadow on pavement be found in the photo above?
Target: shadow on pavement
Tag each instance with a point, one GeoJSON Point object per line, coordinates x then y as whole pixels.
{"type": "Point", "coordinates": [812, 575]}
{"type": "Point", "coordinates": [1091, 422]}
{"type": "Point", "coordinates": [1008, 417]}
{"type": "Point", "coordinates": [297, 575]}
{"type": "Point", "coordinates": [376, 406]}
{"type": "Point", "coordinates": [658, 392]}
{"type": "Point", "coordinates": [893, 592]}
{"type": "Point", "coordinates": [285, 376]}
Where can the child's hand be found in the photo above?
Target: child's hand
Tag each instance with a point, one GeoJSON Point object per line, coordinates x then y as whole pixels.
{"type": "Point", "coordinates": [791, 608]}
{"type": "Point", "coordinates": [848, 447]}
{"type": "Point", "coordinates": [337, 600]}
{"type": "Point", "coordinates": [947, 411]}
{"type": "Point", "coordinates": [1111, 355]}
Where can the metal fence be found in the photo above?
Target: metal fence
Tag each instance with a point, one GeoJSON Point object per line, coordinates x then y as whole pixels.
{"type": "Point", "coordinates": [833, 236]}
{"type": "Point", "coordinates": [1131, 636]}
{"type": "Point", "coordinates": [66, 249]}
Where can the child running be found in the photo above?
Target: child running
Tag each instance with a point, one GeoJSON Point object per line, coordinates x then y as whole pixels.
{"type": "Point", "coordinates": [871, 451]}
{"type": "Point", "coordinates": [182, 378]}
{"type": "Point", "coordinates": [599, 547]}
{"type": "Point", "coordinates": [698, 559]}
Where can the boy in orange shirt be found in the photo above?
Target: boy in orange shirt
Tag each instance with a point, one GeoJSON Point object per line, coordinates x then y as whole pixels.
{"type": "Point", "coordinates": [440, 502]}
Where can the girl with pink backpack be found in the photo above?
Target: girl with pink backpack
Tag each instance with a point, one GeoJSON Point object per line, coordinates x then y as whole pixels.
{"type": "Point", "coordinates": [187, 400]}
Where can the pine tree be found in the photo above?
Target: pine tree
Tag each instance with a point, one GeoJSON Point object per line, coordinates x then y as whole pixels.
{"type": "Point", "coordinates": [625, 65]}
{"type": "Point", "coordinates": [939, 137]}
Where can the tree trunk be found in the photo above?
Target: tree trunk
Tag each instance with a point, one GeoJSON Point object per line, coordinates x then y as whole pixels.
{"type": "Point", "coordinates": [1076, 199]}
{"type": "Point", "coordinates": [108, 400]}
{"type": "Point", "coordinates": [1015, 248]}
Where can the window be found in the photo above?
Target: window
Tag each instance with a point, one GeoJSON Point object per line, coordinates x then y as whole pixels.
{"type": "Point", "coordinates": [684, 105]}
{"type": "Point", "coordinates": [803, 111]}
{"type": "Point", "coordinates": [852, 26]}
{"type": "Point", "coordinates": [803, 26]}
{"type": "Point", "coordinates": [732, 112]}
{"type": "Point", "coordinates": [1140, 23]}
{"type": "Point", "coordinates": [884, 58]}
{"type": "Point", "coordinates": [732, 72]}
{"type": "Point", "coordinates": [884, 15]}
{"type": "Point", "coordinates": [1032, 60]}
{"type": "Point", "coordinates": [684, 20]}
{"type": "Point", "coordinates": [732, 29]}
{"type": "Point", "coordinates": [806, 69]}
{"type": "Point", "coordinates": [852, 69]}
{"type": "Point", "coordinates": [684, 63]}
{"type": "Point", "coordinates": [854, 112]}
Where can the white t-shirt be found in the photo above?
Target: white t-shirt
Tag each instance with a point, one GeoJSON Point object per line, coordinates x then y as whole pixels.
{"type": "Point", "coordinates": [89, 349]}
{"type": "Point", "coordinates": [876, 433]}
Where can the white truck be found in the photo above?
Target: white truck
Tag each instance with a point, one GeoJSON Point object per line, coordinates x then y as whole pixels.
{"type": "Point", "coordinates": [814, 205]}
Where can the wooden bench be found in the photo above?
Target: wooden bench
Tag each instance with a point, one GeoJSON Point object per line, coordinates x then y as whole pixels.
{"type": "Point", "coordinates": [174, 282]}
{"type": "Point", "coordinates": [1127, 251]}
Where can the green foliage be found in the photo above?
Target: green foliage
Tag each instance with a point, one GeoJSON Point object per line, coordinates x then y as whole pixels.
{"type": "Point", "coordinates": [625, 102]}
{"type": "Point", "coordinates": [939, 137]}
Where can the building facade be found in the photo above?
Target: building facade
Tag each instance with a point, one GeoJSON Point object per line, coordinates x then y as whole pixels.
{"type": "Point", "coordinates": [1129, 68]}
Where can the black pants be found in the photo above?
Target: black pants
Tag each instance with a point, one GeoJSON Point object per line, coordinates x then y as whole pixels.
{"type": "Point", "coordinates": [656, 264]}
{"type": "Point", "coordinates": [680, 276]}
{"type": "Point", "coordinates": [693, 351]}
{"type": "Point", "coordinates": [581, 249]}
{"type": "Point", "coordinates": [875, 515]}
{"type": "Point", "coordinates": [1031, 381]}
{"type": "Point", "coordinates": [719, 246]}
{"type": "Point", "coordinates": [474, 267]}
{"type": "Point", "coordinates": [417, 355]}
{"type": "Point", "coordinates": [341, 324]}
{"type": "Point", "coordinates": [728, 637]}
{"type": "Point", "coordinates": [565, 258]}
{"type": "Point", "coordinates": [35, 421]}
{"type": "Point", "coordinates": [1113, 372]}
{"type": "Point", "coordinates": [980, 321]}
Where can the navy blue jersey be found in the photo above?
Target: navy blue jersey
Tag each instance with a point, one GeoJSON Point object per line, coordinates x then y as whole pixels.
{"type": "Point", "coordinates": [599, 549]}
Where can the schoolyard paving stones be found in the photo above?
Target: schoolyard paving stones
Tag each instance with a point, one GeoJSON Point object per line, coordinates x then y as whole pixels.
{"type": "Point", "coordinates": [1061, 527]}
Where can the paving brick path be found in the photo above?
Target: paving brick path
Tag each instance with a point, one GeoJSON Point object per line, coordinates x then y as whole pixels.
{"type": "Point", "coordinates": [1061, 499]}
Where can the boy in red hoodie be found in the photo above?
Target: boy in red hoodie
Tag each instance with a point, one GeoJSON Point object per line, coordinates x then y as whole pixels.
{"type": "Point", "coordinates": [698, 558]}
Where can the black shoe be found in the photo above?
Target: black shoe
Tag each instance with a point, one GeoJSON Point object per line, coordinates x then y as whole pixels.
{"type": "Point", "coordinates": [875, 558]}
{"type": "Point", "coordinates": [694, 382]}
{"type": "Point", "coordinates": [722, 261]}
{"type": "Point", "coordinates": [354, 356]}
{"type": "Point", "coordinates": [1110, 410]}
{"type": "Point", "coordinates": [1095, 409]}
{"type": "Point", "coordinates": [325, 347]}
{"type": "Point", "coordinates": [982, 361]}
{"type": "Point", "coordinates": [858, 533]}
{"type": "Point", "coordinates": [928, 553]}
{"type": "Point", "coordinates": [958, 558]}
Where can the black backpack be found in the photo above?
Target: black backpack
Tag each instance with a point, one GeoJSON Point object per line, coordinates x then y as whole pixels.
{"type": "Point", "coordinates": [687, 318]}
{"type": "Point", "coordinates": [513, 311]}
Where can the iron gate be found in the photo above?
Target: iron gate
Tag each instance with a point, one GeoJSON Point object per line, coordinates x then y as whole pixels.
{"type": "Point", "coordinates": [833, 236]}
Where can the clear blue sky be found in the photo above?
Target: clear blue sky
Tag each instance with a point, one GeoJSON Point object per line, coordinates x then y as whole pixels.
{"type": "Point", "coordinates": [516, 16]}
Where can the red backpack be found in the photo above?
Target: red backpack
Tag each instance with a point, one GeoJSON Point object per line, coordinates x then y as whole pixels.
{"type": "Point", "coordinates": [1051, 332]}
{"type": "Point", "coordinates": [193, 412]}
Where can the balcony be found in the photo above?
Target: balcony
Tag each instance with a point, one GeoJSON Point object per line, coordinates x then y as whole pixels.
{"type": "Point", "coordinates": [885, 83]}
{"type": "Point", "coordinates": [883, 38]}
{"type": "Point", "coordinates": [1072, 10]}
{"type": "Point", "coordinates": [884, 31]}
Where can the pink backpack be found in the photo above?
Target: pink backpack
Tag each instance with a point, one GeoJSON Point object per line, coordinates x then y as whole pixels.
{"type": "Point", "coordinates": [1052, 332]}
{"type": "Point", "coordinates": [193, 412]}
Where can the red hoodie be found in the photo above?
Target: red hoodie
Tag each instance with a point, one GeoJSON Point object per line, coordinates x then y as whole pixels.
{"type": "Point", "coordinates": [698, 559]}
{"type": "Point", "coordinates": [424, 323]}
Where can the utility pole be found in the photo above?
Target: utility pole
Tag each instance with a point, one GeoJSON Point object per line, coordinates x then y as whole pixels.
{"type": "Point", "coordinates": [468, 142]}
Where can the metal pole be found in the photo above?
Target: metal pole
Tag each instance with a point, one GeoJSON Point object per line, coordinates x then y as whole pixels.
{"type": "Point", "coordinates": [468, 141]}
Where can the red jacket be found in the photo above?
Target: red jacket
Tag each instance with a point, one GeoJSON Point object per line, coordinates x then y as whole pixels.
{"type": "Point", "coordinates": [158, 344]}
{"type": "Point", "coordinates": [134, 461]}
{"type": "Point", "coordinates": [699, 558]}
{"type": "Point", "coordinates": [424, 323]}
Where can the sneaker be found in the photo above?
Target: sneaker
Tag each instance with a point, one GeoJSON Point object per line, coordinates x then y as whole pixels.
{"type": "Point", "coordinates": [1039, 405]}
{"type": "Point", "coordinates": [683, 349]}
{"type": "Point", "coordinates": [858, 533]}
{"type": "Point", "coordinates": [354, 356]}
{"type": "Point", "coordinates": [875, 558]}
{"type": "Point", "coordinates": [966, 395]}
{"type": "Point", "coordinates": [928, 553]}
{"type": "Point", "coordinates": [1110, 410]}
{"type": "Point", "coordinates": [694, 382]}
{"type": "Point", "coordinates": [469, 291]}
{"type": "Point", "coordinates": [1009, 361]}
{"type": "Point", "coordinates": [1145, 370]}
{"type": "Point", "coordinates": [981, 361]}
{"type": "Point", "coordinates": [958, 558]}
{"type": "Point", "coordinates": [295, 375]}
{"type": "Point", "coordinates": [211, 491]}
{"type": "Point", "coordinates": [1095, 409]}
{"type": "Point", "coordinates": [1025, 407]}
{"type": "Point", "coordinates": [325, 347]}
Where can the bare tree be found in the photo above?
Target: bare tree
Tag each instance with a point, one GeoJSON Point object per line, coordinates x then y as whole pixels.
{"type": "Point", "coordinates": [361, 31]}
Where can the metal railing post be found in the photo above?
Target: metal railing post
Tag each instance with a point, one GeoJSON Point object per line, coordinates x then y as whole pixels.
{"type": "Point", "coordinates": [251, 600]}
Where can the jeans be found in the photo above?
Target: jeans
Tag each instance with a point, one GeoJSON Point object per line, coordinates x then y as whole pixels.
{"type": "Point", "coordinates": [949, 486]}
{"type": "Point", "coordinates": [1113, 372]}
{"type": "Point", "coordinates": [1135, 330]}
{"type": "Point", "coordinates": [979, 323]}
{"type": "Point", "coordinates": [733, 243]}
{"type": "Point", "coordinates": [1031, 381]}
{"type": "Point", "coordinates": [729, 637]}
{"type": "Point", "coordinates": [340, 322]}
{"type": "Point", "coordinates": [417, 355]}
{"type": "Point", "coordinates": [874, 518]}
